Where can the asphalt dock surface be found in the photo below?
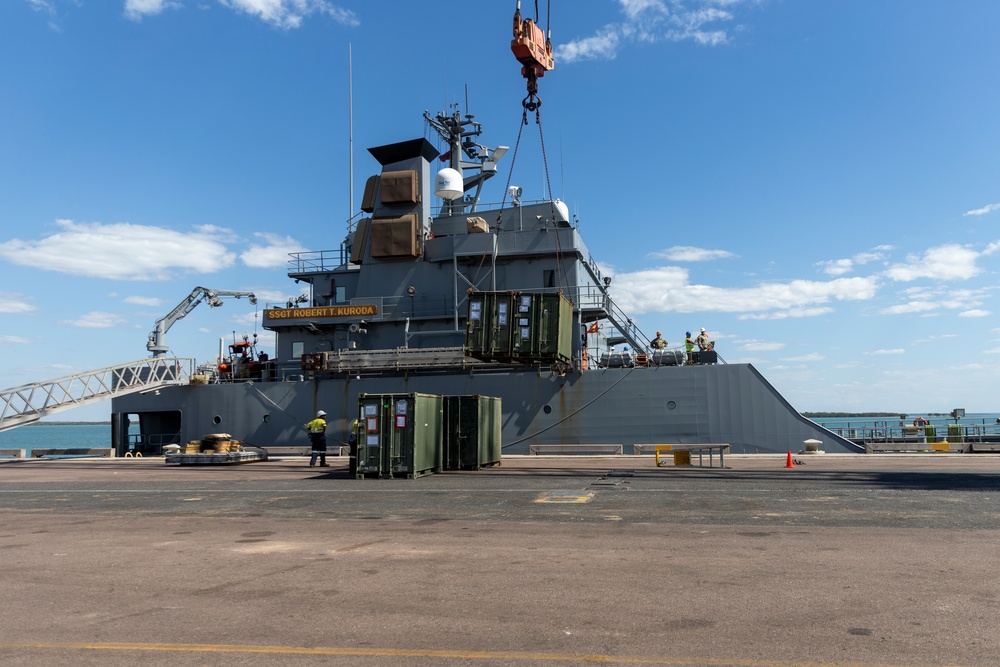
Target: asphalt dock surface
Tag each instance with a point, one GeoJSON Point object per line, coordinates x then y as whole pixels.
{"type": "Point", "coordinates": [868, 561]}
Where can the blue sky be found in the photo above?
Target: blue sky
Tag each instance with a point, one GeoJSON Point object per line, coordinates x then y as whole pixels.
{"type": "Point", "coordinates": [816, 183]}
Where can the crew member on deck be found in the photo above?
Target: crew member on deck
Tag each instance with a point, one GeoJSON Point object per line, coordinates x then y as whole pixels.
{"type": "Point", "coordinates": [688, 348]}
{"type": "Point", "coordinates": [702, 341]}
{"type": "Point", "coordinates": [658, 343]}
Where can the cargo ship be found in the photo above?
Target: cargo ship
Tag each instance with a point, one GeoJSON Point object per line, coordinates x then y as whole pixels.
{"type": "Point", "coordinates": [434, 291]}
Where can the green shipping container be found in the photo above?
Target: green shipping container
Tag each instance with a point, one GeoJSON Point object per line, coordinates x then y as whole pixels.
{"type": "Point", "coordinates": [544, 328]}
{"type": "Point", "coordinates": [400, 435]}
{"type": "Point", "coordinates": [489, 326]}
{"type": "Point", "coordinates": [472, 432]}
{"type": "Point", "coordinates": [526, 327]}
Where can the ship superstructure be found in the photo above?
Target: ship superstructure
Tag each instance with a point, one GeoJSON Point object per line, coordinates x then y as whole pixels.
{"type": "Point", "coordinates": [395, 309]}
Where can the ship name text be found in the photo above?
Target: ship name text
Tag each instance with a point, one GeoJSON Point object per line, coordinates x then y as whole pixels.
{"type": "Point", "coordinates": [323, 311]}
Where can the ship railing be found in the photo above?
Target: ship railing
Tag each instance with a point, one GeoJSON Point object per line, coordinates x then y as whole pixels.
{"type": "Point", "coordinates": [486, 207]}
{"type": "Point", "coordinates": [28, 403]}
{"type": "Point", "coordinates": [350, 361]}
{"type": "Point", "coordinates": [884, 432]}
{"type": "Point", "coordinates": [316, 261]}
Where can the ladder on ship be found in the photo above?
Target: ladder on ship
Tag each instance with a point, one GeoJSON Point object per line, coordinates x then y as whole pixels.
{"type": "Point", "coordinates": [29, 403]}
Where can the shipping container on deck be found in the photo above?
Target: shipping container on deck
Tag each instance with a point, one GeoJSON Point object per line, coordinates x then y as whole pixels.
{"type": "Point", "coordinates": [471, 432]}
{"type": "Point", "coordinates": [490, 325]}
{"type": "Point", "coordinates": [526, 327]}
{"type": "Point", "coordinates": [544, 328]}
{"type": "Point", "coordinates": [400, 434]}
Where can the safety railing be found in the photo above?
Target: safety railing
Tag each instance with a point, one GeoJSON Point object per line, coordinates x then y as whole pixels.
{"type": "Point", "coordinates": [30, 402]}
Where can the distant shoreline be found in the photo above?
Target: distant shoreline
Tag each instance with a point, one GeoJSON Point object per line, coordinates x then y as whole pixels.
{"type": "Point", "coordinates": [108, 423]}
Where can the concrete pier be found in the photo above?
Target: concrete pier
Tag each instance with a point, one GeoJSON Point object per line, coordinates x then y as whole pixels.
{"type": "Point", "coordinates": [885, 560]}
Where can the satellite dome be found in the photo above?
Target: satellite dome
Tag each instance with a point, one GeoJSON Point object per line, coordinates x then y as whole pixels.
{"type": "Point", "coordinates": [448, 184]}
{"type": "Point", "coordinates": [561, 210]}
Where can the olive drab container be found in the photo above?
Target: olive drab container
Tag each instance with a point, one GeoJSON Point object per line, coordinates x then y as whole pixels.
{"type": "Point", "coordinates": [489, 328]}
{"type": "Point", "coordinates": [471, 432]}
{"type": "Point", "coordinates": [520, 327]}
{"type": "Point", "coordinates": [400, 435]}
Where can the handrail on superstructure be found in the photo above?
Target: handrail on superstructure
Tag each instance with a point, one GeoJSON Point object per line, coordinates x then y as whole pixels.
{"type": "Point", "coordinates": [30, 402]}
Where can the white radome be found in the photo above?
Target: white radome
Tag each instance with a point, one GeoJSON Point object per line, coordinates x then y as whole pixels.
{"type": "Point", "coordinates": [562, 211]}
{"type": "Point", "coordinates": [448, 184]}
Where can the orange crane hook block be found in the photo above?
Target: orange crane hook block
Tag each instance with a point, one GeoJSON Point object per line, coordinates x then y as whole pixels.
{"type": "Point", "coordinates": [530, 48]}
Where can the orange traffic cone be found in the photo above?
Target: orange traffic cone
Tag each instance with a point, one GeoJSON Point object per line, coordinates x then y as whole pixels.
{"type": "Point", "coordinates": [788, 461]}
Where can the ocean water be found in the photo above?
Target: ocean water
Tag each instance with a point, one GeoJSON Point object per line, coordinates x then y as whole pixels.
{"type": "Point", "coordinates": [56, 435]}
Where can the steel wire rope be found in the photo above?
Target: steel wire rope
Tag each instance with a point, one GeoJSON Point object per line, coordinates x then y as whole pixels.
{"type": "Point", "coordinates": [560, 259]}
{"type": "Point", "coordinates": [282, 410]}
{"type": "Point", "coordinates": [572, 414]}
{"type": "Point", "coordinates": [503, 200]}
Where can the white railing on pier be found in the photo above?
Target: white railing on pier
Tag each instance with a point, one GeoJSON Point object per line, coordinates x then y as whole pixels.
{"type": "Point", "coordinates": [30, 402]}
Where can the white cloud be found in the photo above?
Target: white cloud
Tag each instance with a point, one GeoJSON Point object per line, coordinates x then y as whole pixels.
{"type": "Point", "coordinates": [839, 267]}
{"type": "Point", "coordinates": [948, 262]}
{"type": "Point", "coordinates": [136, 9]}
{"type": "Point", "coordinates": [273, 254]}
{"type": "Point", "coordinates": [885, 352]}
{"type": "Point", "coordinates": [143, 300]}
{"type": "Point", "coordinates": [633, 8]}
{"type": "Point", "coordinates": [14, 303]}
{"type": "Point", "coordinates": [667, 289]}
{"type": "Point", "coordinates": [42, 6]}
{"type": "Point", "coordinates": [761, 346]}
{"type": "Point", "coordinates": [789, 314]}
{"type": "Point", "coordinates": [911, 307]}
{"type": "Point", "coordinates": [684, 253]}
{"type": "Point", "coordinates": [290, 13]}
{"type": "Point", "coordinates": [989, 208]}
{"type": "Point", "coordinates": [927, 299]}
{"type": "Point", "coordinates": [651, 21]}
{"type": "Point", "coordinates": [122, 251]}
{"type": "Point", "coordinates": [812, 356]}
{"type": "Point", "coordinates": [13, 340]}
{"type": "Point", "coordinates": [96, 319]}
{"type": "Point", "coordinates": [975, 312]}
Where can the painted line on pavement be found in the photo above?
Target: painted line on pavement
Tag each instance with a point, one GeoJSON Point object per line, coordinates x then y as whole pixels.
{"type": "Point", "coordinates": [433, 653]}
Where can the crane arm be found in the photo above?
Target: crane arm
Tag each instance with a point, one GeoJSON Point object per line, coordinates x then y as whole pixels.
{"type": "Point", "coordinates": [197, 295]}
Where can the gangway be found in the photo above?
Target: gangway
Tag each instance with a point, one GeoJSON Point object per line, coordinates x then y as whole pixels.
{"type": "Point", "coordinates": [29, 403]}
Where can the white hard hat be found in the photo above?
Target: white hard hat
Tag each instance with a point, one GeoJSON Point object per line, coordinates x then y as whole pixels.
{"type": "Point", "coordinates": [321, 414]}
{"type": "Point", "coordinates": [703, 329]}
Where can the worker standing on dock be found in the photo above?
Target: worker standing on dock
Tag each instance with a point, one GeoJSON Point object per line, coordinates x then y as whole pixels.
{"type": "Point", "coordinates": [352, 442]}
{"type": "Point", "coordinates": [317, 436]}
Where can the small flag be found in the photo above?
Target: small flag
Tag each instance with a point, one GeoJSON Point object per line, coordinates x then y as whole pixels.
{"type": "Point", "coordinates": [592, 328]}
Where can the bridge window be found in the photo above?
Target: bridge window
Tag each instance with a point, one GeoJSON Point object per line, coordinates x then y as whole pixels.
{"type": "Point", "coordinates": [298, 348]}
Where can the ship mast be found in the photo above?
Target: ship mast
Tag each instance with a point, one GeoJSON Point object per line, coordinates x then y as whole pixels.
{"type": "Point", "coordinates": [458, 133]}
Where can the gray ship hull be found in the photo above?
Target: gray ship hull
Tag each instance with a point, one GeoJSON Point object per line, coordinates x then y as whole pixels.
{"type": "Point", "coordinates": [730, 404]}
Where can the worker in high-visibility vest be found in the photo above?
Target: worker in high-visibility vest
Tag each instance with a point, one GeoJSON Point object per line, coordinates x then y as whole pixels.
{"type": "Point", "coordinates": [317, 436]}
{"type": "Point", "coordinates": [688, 348]}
